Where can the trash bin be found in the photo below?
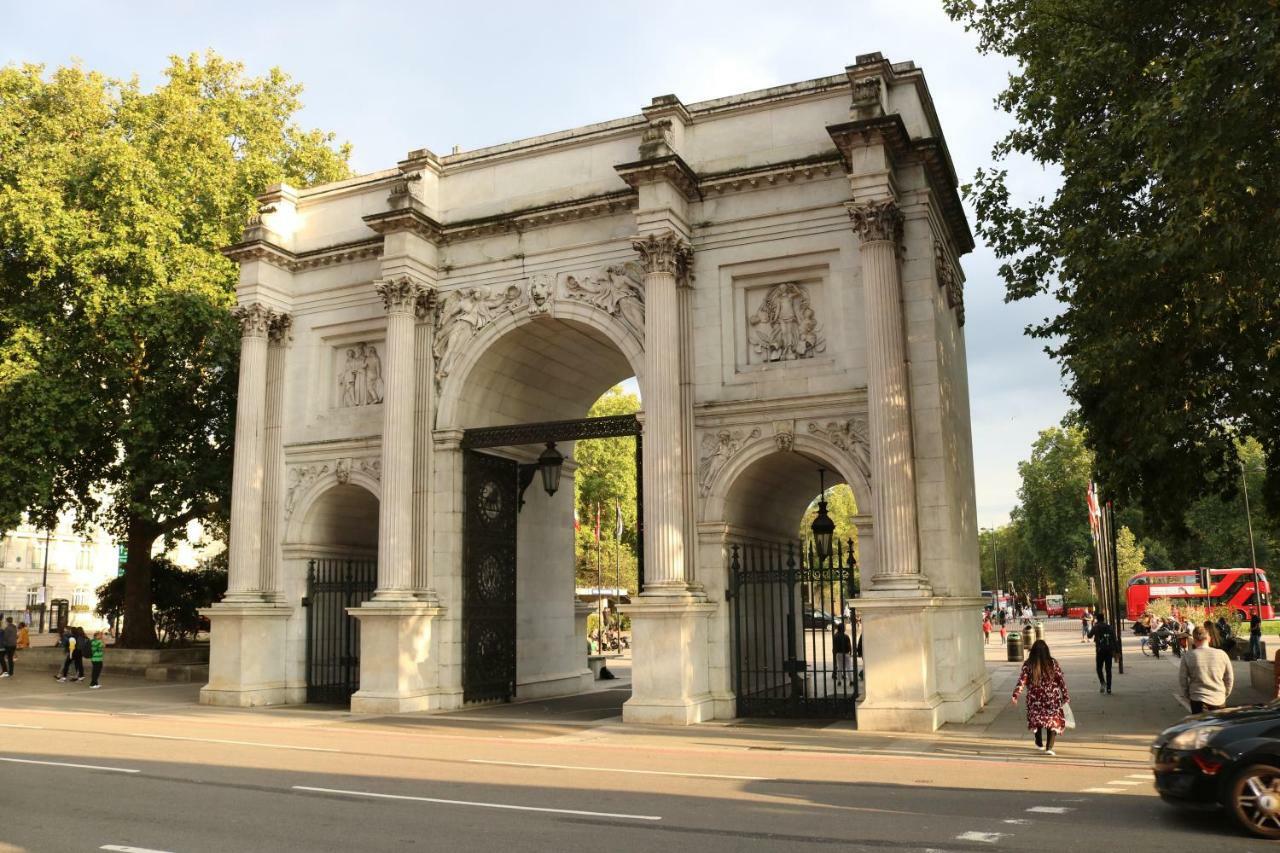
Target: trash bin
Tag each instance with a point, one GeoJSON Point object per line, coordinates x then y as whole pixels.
{"type": "Point", "coordinates": [1015, 647]}
{"type": "Point", "coordinates": [1028, 637]}
{"type": "Point", "coordinates": [1039, 630]}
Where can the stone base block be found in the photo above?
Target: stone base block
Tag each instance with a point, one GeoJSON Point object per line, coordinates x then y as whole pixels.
{"type": "Point", "coordinates": [670, 679]}
{"type": "Point", "coordinates": [246, 660]}
{"type": "Point", "coordinates": [398, 658]}
{"type": "Point", "coordinates": [924, 663]}
{"type": "Point", "coordinates": [546, 687]}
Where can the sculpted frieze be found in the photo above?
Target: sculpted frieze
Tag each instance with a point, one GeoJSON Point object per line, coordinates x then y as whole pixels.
{"type": "Point", "coordinates": [617, 290]}
{"type": "Point", "coordinates": [717, 449]}
{"type": "Point", "coordinates": [851, 436]}
{"type": "Point", "coordinates": [360, 376]}
{"type": "Point", "coordinates": [300, 477]}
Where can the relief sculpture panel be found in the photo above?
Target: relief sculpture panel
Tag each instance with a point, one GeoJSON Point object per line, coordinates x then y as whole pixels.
{"type": "Point", "coordinates": [783, 325]}
{"type": "Point", "coordinates": [359, 376]}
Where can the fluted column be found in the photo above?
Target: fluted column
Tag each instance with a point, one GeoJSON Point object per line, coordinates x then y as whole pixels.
{"type": "Point", "coordinates": [665, 258]}
{"type": "Point", "coordinates": [879, 225]}
{"type": "Point", "coordinates": [245, 557]}
{"type": "Point", "coordinates": [395, 513]}
{"type": "Point", "coordinates": [273, 458]}
{"type": "Point", "coordinates": [423, 446]}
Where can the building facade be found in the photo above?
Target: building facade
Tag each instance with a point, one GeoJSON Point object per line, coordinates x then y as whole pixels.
{"type": "Point", "coordinates": [780, 272]}
{"type": "Point", "coordinates": [77, 565]}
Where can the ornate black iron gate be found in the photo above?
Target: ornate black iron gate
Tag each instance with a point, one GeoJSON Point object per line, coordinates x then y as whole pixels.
{"type": "Point", "coordinates": [333, 637]}
{"type": "Point", "coordinates": [793, 614]}
{"type": "Point", "coordinates": [488, 577]}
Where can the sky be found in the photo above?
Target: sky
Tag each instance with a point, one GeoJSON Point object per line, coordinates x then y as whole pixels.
{"type": "Point", "coordinates": [395, 76]}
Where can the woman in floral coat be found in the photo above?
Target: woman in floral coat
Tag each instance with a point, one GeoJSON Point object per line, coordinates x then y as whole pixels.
{"type": "Point", "coordinates": [1046, 695]}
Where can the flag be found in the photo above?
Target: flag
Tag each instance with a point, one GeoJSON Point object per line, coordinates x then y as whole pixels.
{"type": "Point", "coordinates": [597, 524]}
{"type": "Point", "coordinates": [577, 525]}
{"type": "Point", "coordinates": [617, 510]}
{"type": "Point", "coordinates": [1095, 513]}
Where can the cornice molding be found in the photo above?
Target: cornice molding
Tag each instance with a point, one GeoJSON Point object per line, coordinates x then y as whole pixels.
{"type": "Point", "coordinates": [263, 250]}
{"type": "Point", "coordinates": [891, 131]}
{"type": "Point", "coordinates": [670, 168]}
{"type": "Point", "coordinates": [409, 219]}
{"type": "Point", "coordinates": [606, 204]}
{"type": "Point", "coordinates": [772, 174]}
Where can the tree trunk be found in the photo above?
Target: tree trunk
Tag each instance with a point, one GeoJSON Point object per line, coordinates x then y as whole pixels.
{"type": "Point", "coordinates": [139, 624]}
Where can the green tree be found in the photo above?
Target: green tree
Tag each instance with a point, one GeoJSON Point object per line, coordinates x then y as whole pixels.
{"type": "Point", "coordinates": [118, 354]}
{"type": "Point", "coordinates": [1131, 556]}
{"type": "Point", "coordinates": [1161, 242]}
{"type": "Point", "coordinates": [1051, 518]}
{"type": "Point", "coordinates": [606, 477]}
{"type": "Point", "coordinates": [842, 506]}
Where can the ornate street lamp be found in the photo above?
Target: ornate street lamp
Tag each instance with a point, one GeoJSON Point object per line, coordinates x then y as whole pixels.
{"type": "Point", "coordinates": [823, 527]}
{"type": "Point", "coordinates": [549, 462]}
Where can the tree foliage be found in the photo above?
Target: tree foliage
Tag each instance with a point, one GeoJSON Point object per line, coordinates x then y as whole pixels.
{"type": "Point", "coordinates": [1163, 240]}
{"type": "Point", "coordinates": [117, 351]}
{"type": "Point", "coordinates": [177, 595]}
{"type": "Point", "coordinates": [606, 476]}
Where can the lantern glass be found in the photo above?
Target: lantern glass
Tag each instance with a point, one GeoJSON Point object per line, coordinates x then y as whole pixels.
{"type": "Point", "coordinates": [823, 530]}
{"type": "Point", "coordinates": [549, 462]}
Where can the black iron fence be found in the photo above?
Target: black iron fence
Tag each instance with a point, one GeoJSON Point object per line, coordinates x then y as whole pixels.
{"type": "Point", "coordinates": [333, 637]}
{"type": "Point", "coordinates": [796, 643]}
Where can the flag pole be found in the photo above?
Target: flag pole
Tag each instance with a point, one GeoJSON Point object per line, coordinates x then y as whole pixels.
{"type": "Point", "coordinates": [617, 551]}
{"type": "Point", "coordinates": [599, 582]}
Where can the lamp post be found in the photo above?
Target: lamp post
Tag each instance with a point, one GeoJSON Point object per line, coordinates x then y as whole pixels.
{"type": "Point", "coordinates": [44, 580]}
{"type": "Point", "coordinates": [823, 527]}
{"type": "Point", "coordinates": [1253, 554]}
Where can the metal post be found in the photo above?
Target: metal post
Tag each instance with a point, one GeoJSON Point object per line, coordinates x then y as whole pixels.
{"type": "Point", "coordinates": [1253, 555]}
{"type": "Point", "coordinates": [1114, 580]}
{"type": "Point", "coordinates": [44, 581]}
{"type": "Point", "coordinates": [797, 682]}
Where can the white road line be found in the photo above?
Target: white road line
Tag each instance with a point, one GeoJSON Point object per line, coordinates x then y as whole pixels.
{"type": "Point", "coordinates": [239, 742]}
{"type": "Point", "coordinates": [65, 764]}
{"type": "Point", "coordinates": [986, 837]}
{"type": "Point", "coordinates": [1017, 821]}
{"type": "Point", "coordinates": [1146, 776]}
{"type": "Point", "coordinates": [122, 848]}
{"type": "Point", "coordinates": [18, 726]}
{"type": "Point", "coordinates": [1050, 809]}
{"type": "Point", "coordinates": [622, 770]}
{"type": "Point", "coordinates": [1102, 790]}
{"type": "Point", "coordinates": [1126, 782]}
{"type": "Point", "coordinates": [505, 806]}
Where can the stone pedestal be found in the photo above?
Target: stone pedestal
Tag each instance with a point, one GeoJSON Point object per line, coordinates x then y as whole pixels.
{"type": "Point", "coordinates": [582, 610]}
{"type": "Point", "coordinates": [247, 660]}
{"type": "Point", "coordinates": [920, 671]}
{"type": "Point", "coordinates": [670, 682]}
{"type": "Point", "coordinates": [398, 661]}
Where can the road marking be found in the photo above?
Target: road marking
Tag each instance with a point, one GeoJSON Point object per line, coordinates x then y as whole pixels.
{"type": "Point", "coordinates": [18, 726]}
{"type": "Point", "coordinates": [1017, 821]}
{"type": "Point", "coordinates": [65, 764]}
{"type": "Point", "coordinates": [1050, 809]}
{"type": "Point", "coordinates": [122, 848]}
{"type": "Point", "coordinates": [622, 770]}
{"type": "Point", "coordinates": [239, 742]}
{"type": "Point", "coordinates": [1126, 782]}
{"type": "Point", "coordinates": [985, 837]}
{"type": "Point", "coordinates": [1102, 790]}
{"type": "Point", "coordinates": [505, 806]}
{"type": "Point", "coordinates": [1144, 776]}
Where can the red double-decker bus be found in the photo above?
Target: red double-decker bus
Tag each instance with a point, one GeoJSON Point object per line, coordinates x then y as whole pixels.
{"type": "Point", "coordinates": [1232, 588]}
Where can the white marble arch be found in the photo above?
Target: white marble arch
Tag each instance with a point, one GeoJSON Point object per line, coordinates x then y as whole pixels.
{"type": "Point", "coordinates": [311, 500]}
{"type": "Point", "coordinates": [459, 402]}
{"type": "Point", "coordinates": [734, 508]}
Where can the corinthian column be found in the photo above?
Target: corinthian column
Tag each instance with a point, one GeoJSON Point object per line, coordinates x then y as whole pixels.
{"type": "Point", "coordinates": [245, 557]}
{"type": "Point", "coordinates": [273, 458]}
{"type": "Point", "coordinates": [665, 258]}
{"type": "Point", "coordinates": [423, 446]}
{"type": "Point", "coordinates": [879, 225]}
{"type": "Point", "coordinates": [395, 512]}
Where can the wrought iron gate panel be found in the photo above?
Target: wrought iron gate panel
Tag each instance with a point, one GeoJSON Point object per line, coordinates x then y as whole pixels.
{"type": "Point", "coordinates": [333, 637]}
{"type": "Point", "coordinates": [488, 577]}
{"type": "Point", "coordinates": [788, 607]}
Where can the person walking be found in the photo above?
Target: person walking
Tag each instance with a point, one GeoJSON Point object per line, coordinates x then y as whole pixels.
{"type": "Point", "coordinates": [1084, 625]}
{"type": "Point", "coordinates": [1255, 637]}
{"type": "Point", "coordinates": [1205, 676]}
{"type": "Point", "coordinates": [8, 644]}
{"type": "Point", "coordinates": [77, 642]}
{"type": "Point", "coordinates": [24, 636]}
{"type": "Point", "coordinates": [842, 646]}
{"type": "Point", "coordinates": [1215, 639]}
{"type": "Point", "coordinates": [1104, 649]}
{"type": "Point", "coordinates": [1046, 696]}
{"type": "Point", "coordinates": [96, 650]}
{"type": "Point", "coordinates": [986, 628]}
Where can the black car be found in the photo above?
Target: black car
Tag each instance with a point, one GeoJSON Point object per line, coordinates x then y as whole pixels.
{"type": "Point", "coordinates": [1228, 758]}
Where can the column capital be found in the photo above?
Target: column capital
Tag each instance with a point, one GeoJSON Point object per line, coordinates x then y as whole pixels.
{"type": "Point", "coordinates": [254, 318]}
{"type": "Point", "coordinates": [400, 295]}
{"type": "Point", "coordinates": [424, 307]}
{"type": "Point", "coordinates": [880, 219]}
{"type": "Point", "coordinates": [280, 328]}
{"type": "Point", "coordinates": [664, 252]}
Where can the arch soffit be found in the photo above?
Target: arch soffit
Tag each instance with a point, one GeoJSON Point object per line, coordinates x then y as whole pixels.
{"type": "Point", "coordinates": [835, 459]}
{"type": "Point", "coordinates": [315, 492]}
{"type": "Point", "coordinates": [452, 387]}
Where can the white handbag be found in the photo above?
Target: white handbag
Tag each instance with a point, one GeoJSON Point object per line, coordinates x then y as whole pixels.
{"type": "Point", "coordinates": [1069, 716]}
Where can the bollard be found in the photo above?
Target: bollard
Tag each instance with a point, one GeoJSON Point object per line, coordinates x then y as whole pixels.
{"type": "Point", "coordinates": [1028, 637]}
{"type": "Point", "coordinates": [1039, 630]}
{"type": "Point", "coordinates": [1015, 647]}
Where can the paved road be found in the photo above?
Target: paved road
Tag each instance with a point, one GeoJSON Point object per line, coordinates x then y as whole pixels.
{"type": "Point", "coordinates": [160, 774]}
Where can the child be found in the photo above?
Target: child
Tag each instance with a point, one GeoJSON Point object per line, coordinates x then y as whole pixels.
{"type": "Point", "coordinates": [96, 649]}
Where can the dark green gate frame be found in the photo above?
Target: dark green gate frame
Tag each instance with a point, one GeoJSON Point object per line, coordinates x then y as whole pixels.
{"type": "Point", "coordinates": [611, 426]}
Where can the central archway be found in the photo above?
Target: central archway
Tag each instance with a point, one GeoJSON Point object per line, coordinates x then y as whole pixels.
{"type": "Point", "coordinates": [524, 369]}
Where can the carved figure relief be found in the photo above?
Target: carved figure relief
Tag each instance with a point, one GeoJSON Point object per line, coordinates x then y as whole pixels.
{"type": "Point", "coordinates": [540, 293]}
{"type": "Point", "coordinates": [463, 313]}
{"type": "Point", "coordinates": [299, 478]}
{"type": "Point", "coordinates": [785, 327]}
{"type": "Point", "coordinates": [617, 290]}
{"type": "Point", "coordinates": [360, 377]}
{"type": "Point", "coordinates": [851, 436]}
{"type": "Point", "coordinates": [717, 449]}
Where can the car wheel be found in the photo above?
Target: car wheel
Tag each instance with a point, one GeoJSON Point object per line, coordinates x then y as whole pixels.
{"type": "Point", "coordinates": [1255, 800]}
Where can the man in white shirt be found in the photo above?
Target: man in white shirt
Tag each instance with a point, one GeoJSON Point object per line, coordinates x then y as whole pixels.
{"type": "Point", "coordinates": [1205, 676]}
